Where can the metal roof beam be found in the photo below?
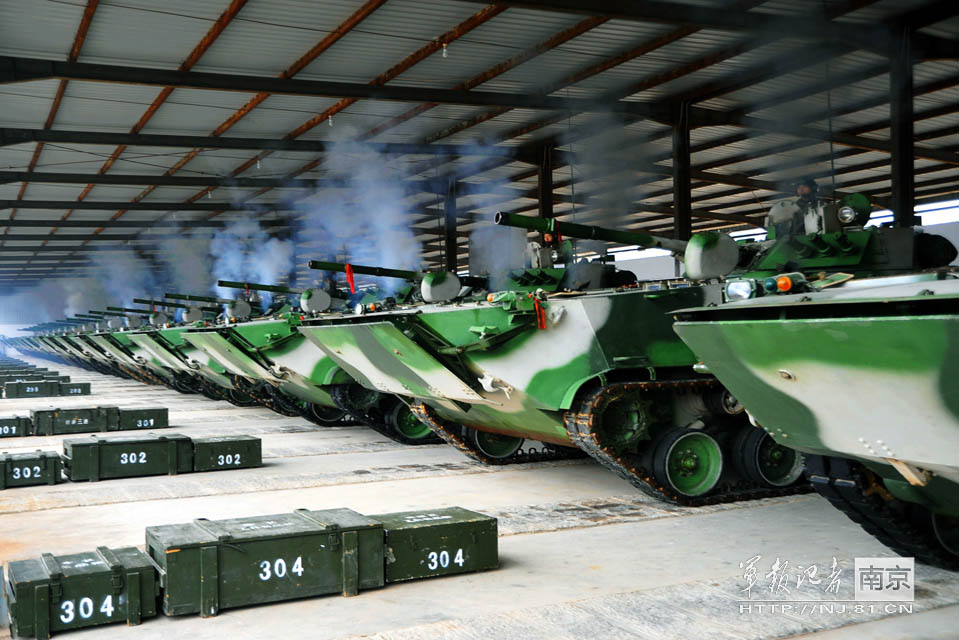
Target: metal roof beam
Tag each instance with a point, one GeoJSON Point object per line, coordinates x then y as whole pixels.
{"type": "Point", "coordinates": [88, 205]}
{"type": "Point", "coordinates": [11, 136]}
{"type": "Point", "coordinates": [878, 38]}
{"type": "Point", "coordinates": [134, 224]}
{"type": "Point", "coordinates": [50, 248]}
{"type": "Point", "coordinates": [18, 69]}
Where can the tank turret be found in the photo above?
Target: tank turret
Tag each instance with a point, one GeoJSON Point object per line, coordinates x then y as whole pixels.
{"type": "Point", "coordinates": [435, 286]}
{"type": "Point", "coordinates": [707, 255]}
{"type": "Point", "coordinates": [807, 240]}
{"type": "Point", "coordinates": [311, 300]}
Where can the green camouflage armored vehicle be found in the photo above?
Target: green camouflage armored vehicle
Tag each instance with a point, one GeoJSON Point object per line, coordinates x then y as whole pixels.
{"type": "Point", "coordinates": [856, 372]}
{"type": "Point", "coordinates": [599, 369]}
{"type": "Point", "coordinates": [269, 359]}
{"type": "Point", "coordinates": [861, 378]}
{"type": "Point", "coordinates": [189, 370]}
{"type": "Point", "coordinates": [559, 357]}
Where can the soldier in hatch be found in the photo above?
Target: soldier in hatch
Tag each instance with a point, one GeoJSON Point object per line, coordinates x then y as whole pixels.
{"type": "Point", "coordinates": [797, 216]}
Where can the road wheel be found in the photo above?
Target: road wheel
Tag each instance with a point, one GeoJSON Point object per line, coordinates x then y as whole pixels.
{"type": "Point", "coordinates": [687, 461]}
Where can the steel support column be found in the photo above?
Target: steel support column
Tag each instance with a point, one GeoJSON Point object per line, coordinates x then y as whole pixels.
{"type": "Point", "coordinates": [545, 183]}
{"type": "Point", "coordinates": [901, 131]}
{"type": "Point", "coordinates": [449, 227]}
{"type": "Point", "coordinates": [682, 176]}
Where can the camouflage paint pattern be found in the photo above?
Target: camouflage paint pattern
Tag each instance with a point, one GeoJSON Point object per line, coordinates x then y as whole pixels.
{"type": "Point", "coordinates": [168, 347]}
{"type": "Point", "coordinates": [868, 371]}
{"type": "Point", "coordinates": [271, 351]}
{"type": "Point", "coordinates": [488, 366]}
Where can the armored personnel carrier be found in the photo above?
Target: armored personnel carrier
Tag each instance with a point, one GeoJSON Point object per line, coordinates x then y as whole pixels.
{"type": "Point", "coordinates": [582, 359]}
{"type": "Point", "coordinates": [269, 359]}
{"type": "Point", "coordinates": [188, 369]}
{"type": "Point", "coordinates": [858, 374]}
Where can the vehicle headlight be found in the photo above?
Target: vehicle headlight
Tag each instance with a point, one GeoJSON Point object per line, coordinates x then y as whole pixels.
{"type": "Point", "coordinates": [846, 215]}
{"type": "Point", "coordinates": [740, 289]}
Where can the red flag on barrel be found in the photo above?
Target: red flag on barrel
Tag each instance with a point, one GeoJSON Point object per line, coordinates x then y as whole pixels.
{"type": "Point", "coordinates": [349, 278]}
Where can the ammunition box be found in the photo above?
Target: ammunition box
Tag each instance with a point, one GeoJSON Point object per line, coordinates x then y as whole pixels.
{"type": "Point", "coordinates": [143, 418]}
{"type": "Point", "coordinates": [227, 452]}
{"type": "Point", "coordinates": [15, 426]}
{"type": "Point", "coordinates": [425, 544]}
{"type": "Point", "coordinates": [43, 389]}
{"type": "Point", "coordinates": [60, 593]}
{"type": "Point", "coordinates": [48, 422]}
{"type": "Point", "coordinates": [210, 565]}
{"type": "Point", "coordinates": [97, 458]}
{"type": "Point", "coordinates": [74, 388]}
{"type": "Point", "coordinates": [22, 378]}
{"type": "Point", "coordinates": [27, 469]}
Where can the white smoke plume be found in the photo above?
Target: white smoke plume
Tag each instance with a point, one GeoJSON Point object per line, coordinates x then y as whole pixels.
{"type": "Point", "coordinates": [186, 256]}
{"type": "Point", "coordinates": [244, 252]}
{"type": "Point", "coordinates": [365, 220]}
{"type": "Point", "coordinates": [123, 276]}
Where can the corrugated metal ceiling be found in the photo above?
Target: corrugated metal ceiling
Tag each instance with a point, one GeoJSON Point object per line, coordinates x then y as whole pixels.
{"type": "Point", "coordinates": [265, 37]}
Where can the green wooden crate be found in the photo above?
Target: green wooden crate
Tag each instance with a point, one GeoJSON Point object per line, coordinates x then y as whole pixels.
{"type": "Point", "coordinates": [61, 593]}
{"type": "Point", "coordinates": [15, 426]}
{"type": "Point", "coordinates": [97, 458]}
{"type": "Point", "coordinates": [50, 422]}
{"type": "Point", "coordinates": [207, 565]}
{"type": "Point", "coordinates": [28, 469]}
{"type": "Point", "coordinates": [426, 544]}
{"type": "Point", "coordinates": [42, 389]}
{"type": "Point", "coordinates": [74, 388]}
{"type": "Point", "coordinates": [219, 453]}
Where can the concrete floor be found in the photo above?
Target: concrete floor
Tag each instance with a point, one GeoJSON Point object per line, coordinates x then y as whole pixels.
{"type": "Point", "coordinates": [583, 555]}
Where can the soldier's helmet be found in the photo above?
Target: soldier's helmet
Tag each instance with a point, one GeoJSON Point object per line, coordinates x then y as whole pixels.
{"type": "Point", "coordinates": [807, 189]}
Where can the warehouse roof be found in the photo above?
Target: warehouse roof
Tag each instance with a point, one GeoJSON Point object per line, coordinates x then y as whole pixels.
{"type": "Point", "coordinates": [156, 118]}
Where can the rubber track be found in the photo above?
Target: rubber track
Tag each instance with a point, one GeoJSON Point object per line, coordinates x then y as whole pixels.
{"type": "Point", "coordinates": [451, 435]}
{"type": "Point", "coordinates": [853, 489]}
{"type": "Point", "coordinates": [581, 427]}
{"type": "Point", "coordinates": [378, 424]}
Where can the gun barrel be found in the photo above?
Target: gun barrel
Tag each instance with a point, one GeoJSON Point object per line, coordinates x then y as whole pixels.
{"type": "Point", "coordinates": [110, 313]}
{"type": "Point", "coordinates": [383, 272]}
{"type": "Point", "coordinates": [128, 309]}
{"type": "Point", "coordinates": [416, 276]}
{"type": "Point", "coordinates": [275, 288]}
{"type": "Point", "coordinates": [192, 298]}
{"type": "Point", "coordinates": [89, 316]}
{"type": "Point", "coordinates": [175, 305]}
{"type": "Point", "coordinates": [589, 232]}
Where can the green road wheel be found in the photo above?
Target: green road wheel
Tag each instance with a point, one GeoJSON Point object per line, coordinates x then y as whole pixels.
{"type": "Point", "coordinates": [946, 529]}
{"type": "Point", "coordinates": [626, 422]}
{"type": "Point", "coordinates": [407, 424]}
{"type": "Point", "coordinates": [494, 445]}
{"type": "Point", "coordinates": [688, 461]}
{"type": "Point", "coordinates": [760, 459]}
